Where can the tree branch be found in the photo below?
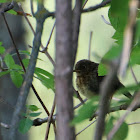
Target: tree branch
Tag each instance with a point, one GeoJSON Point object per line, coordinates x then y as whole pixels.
{"type": "Point", "coordinates": [128, 36]}
{"type": "Point", "coordinates": [106, 94]}
{"type": "Point", "coordinates": [45, 16]}
{"type": "Point", "coordinates": [76, 26]}
{"type": "Point", "coordinates": [50, 118]}
{"type": "Point", "coordinates": [29, 74]}
{"type": "Point", "coordinates": [102, 4]}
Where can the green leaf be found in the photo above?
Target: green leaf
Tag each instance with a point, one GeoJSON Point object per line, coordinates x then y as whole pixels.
{"type": "Point", "coordinates": [107, 4]}
{"type": "Point", "coordinates": [44, 72]}
{"type": "Point", "coordinates": [32, 107]}
{"type": "Point", "coordinates": [25, 115]}
{"type": "Point", "coordinates": [35, 114]}
{"type": "Point", "coordinates": [120, 102]}
{"type": "Point", "coordinates": [25, 62]}
{"type": "Point", "coordinates": [46, 78]}
{"type": "Point", "coordinates": [9, 61]}
{"type": "Point", "coordinates": [102, 70]}
{"type": "Point", "coordinates": [118, 14]}
{"type": "Point", "coordinates": [122, 133]}
{"type": "Point", "coordinates": [24, 125]}
{"type": "Point", "coordinates": [83, 2]}
{"type": "Point", "coordinates": [129, 88]}
{"type": "Point", "coordinates": [24, 52]}
{"type": "Point", "coordinates": [109, 125]}
{"type": "Point", "coordinates": [17, 67]}
{"type": "Point", "coordinates": [12, 12]}
{"type": "Point", "coordinates": [118, 36]}
{"type": "Point", "coordinates": [135, 55]}
{"type": "Point", "coordinates": [16, 78]}
{"type": "Point", "coordinates": [86, 111]}
{"type": "Point", "coordinates": [113, 53]}
{"type": "Point", "coordinates": [3, 1]}
{"type": "Point", "coordinates": [4, 73]}
{"type": "Point", "coordinates": [2, 50]}
{"type": "Point", "coordinates": [137, 33]}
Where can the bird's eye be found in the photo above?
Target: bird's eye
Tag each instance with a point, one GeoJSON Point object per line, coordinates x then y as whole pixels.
{"type": "Point", "coordinates": [83, 67]}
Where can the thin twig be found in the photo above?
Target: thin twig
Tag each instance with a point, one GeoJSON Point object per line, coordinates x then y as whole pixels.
{"type": "Point", "coordinates": [18, 54]}
{"type": "Point", "coordinates": [5, 102]}
{"type": "Point", "coordinates": [78, 96]}
{"type": "Point", "coordinates": [4, 7]}
{"type": "Point", "coordinates": [102, 4]}
{"type": "Point", "coordinates": [85, 3]}
{"type": "Point", "coordinates": [76, 27]}
{"type": "Point", "coordinates": [4, 125]}
{"type": "Point", "coordinates": [29, 74]}
{"type": "Point", "coordinates": [46, 53]}
{"type": "Point", "coordinates": [106, 94]}
{"type": "Point", "coordinates": [89, 48]}
{"type": "Point", "coordinates": [13, 42]}
{"type": "Point", "coordinates": [90, 9]}
{"type": "Point", "coordinates": [45, 49]}
{"type": "Point", "coordinates": [50, 120]}
{"type": "Point", "coordinates": [77, 106]}
{"type": "Point", "coordinates": [133, 123]}
{"type": "Point", "coordinates": [40, 121]}
{"type": "Point", "coordinates": [32, 8]}
{"type": "Point", "coordinates": [85, 128]}
{"type": "Point", "coordinates": [105, 21]}
{"type": "Point", "coordinates": [134, 76]}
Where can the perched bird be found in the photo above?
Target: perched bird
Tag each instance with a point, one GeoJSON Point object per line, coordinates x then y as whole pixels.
{"type": "Point", "coordinates": [88, 82]}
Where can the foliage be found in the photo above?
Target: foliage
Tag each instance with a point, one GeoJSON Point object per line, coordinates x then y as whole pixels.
{"type": "Point", "coordinates": [121, 133]}
{"type": "Point", "coordinates": [86, 111]}
{"type": "Point", "coordinates": [26, 123]}
{"type": "Point", "coordinates": [118, 16]}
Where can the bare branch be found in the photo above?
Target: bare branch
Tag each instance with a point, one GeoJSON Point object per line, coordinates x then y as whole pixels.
{"type": "Point", "coordinates": [50, 120]}
{"type": "Point", "coordinates": [105, 21]}
{"type": "Point", "coordinates": [85, 128]}
{"type": "Point", "coordinates": [128, 36]}
{"type": "Point", "coordinates": [32, 8]}
{"type": "Point", "coordinates": [134, 76]}
{"type": "Point", "coordinates": [45, 49]}
{"type": "Point", "coordinates": [4, 7]}
{"type": "Point", "coordinates": [46, 53]}
{"type": "Point", "coordinates": [102, 4]}
{"type": "Point", "coordinates": [134, 123]}
{"type": "Point", "coordinates": [4, 125]}
{"type": "Point", "coordinates": [76, 26]}
{"type": "Point", "coordinates": [106, 94]}
{"type": "Point", "coordinates": [78, 95]}
{"type": "Point", "coordinates": [29, 75]}
{"type": "Point", "coordinates": [89, 48]}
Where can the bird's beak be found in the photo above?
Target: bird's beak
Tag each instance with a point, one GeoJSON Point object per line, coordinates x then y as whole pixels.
{"type": "Point", "coordinates": [76, 70]}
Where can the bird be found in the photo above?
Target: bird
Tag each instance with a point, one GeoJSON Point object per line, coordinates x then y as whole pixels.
{"type": "Point", "coordinates": [88, 82]}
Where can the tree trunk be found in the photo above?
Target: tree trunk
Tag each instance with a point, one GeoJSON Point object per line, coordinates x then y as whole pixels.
{"type": "Point", "coordinates": [63, 71]}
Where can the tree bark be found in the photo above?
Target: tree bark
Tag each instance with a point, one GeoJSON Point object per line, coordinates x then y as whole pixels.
{"type": "Point", "coordinates": [63, 71]}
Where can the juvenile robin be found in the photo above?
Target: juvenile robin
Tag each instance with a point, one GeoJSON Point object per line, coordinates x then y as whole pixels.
{"type": "Point", "coordinates": [88, 82]}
